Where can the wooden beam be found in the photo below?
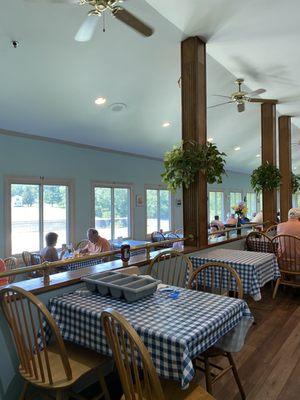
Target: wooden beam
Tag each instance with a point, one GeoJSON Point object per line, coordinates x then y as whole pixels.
{"type": "Point", "coordinates": [193, 92]}
{"type": "Point", "coordinates": [285, 165]}
{"type": "Point", "coordinates": [268, 143]}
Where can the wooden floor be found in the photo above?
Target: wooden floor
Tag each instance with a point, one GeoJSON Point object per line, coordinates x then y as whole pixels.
{"type": "Point", "coordinates": [269, 364]}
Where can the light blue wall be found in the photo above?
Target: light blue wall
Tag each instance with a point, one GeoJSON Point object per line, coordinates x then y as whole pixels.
{"type": "Point", "coordinates": [27, 157]}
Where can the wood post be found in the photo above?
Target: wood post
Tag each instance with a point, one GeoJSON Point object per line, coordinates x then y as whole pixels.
{"type": "Point", "coordinates": [193, 92]}
{"type": "Point", "coordinates": [285, 165]}
{"type": "Point", "coordinates": [268, 143]}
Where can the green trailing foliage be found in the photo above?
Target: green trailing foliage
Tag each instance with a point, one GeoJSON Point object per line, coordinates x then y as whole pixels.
{"type": "Point", "coordinates": [265, 177]}
{"type": "Point", "coordinates": [185, 161]}
{"type": "Point", "coordinates": [295, 183]}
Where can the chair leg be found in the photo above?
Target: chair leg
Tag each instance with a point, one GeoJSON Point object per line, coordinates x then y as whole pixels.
{"type": "Point", "coordinates": [236, 375]}
{"type": "Point", "coordinates": [208, 380]}
{"type": "Point", "coordinates": [59, 395]}
{"type": "Point", "coordinates": [24, 391]}
{"type": "Point", "coordinates": [276, 287]}
{"type": "Point", "coordinates": [103, 386]}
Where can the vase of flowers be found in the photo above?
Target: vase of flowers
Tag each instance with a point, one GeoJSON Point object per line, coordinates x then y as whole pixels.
{"type": "Point", "coordinates": [240, 210]}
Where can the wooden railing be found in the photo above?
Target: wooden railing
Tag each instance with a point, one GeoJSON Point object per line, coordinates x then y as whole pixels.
{"type": "Point", "coordinates": [226, 232]}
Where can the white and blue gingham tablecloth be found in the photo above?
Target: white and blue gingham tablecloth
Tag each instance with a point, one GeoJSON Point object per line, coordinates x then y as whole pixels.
{"type": "Point", "coordinates": [175, 331]}
{"type": "Point", "coordinates": [78, 264]}
{"type": "Point", "coordinates": [255, 269]}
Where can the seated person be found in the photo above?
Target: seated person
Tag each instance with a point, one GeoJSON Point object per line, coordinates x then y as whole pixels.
{"type": "Point", "coordinates": [217, 223]}
{"type": "Point", "coordinates": [258, 218]}
{"type": "Point", "coordinates": [3, 281]}
{"type": "Point", "coordinates": [97, 244]}
{"type": "Point", "coordinates": [244, 220]}
{"type": "Point", "coordinates": [231, 220]}
{"type": "Point", "coordinates": [49, 253]}
{"type": "Point", "coordinates": [291, 227]}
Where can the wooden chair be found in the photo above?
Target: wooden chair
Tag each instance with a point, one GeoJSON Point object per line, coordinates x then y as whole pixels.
{"type": "Point", "coordinates": [171, 235]}
{"type": "Point", "coordinates": [271, 231]}
{"type": "Point", "coordinates": [287, 251]}
{"type": "Point", "coordinates": [157, 237]}
{"type": "Point", "coordinates": [10, 264]}
{"type": "Point", "coordinates": [258, 241]}
{"type": "Point", "coordinates": [52, 367]}
{"type": "Point", "coordinates": [215, 276]}
{"type": "Point", "coordinates": [137, 373]}
{"type": "Point", "coordinates": [179, 232]}
{"type": "Point", "coordinates": [80, 245]}
{"type": "Point", "coordinates": [27, 258]}
{"type": "Point", "coordinates": [171, 267]}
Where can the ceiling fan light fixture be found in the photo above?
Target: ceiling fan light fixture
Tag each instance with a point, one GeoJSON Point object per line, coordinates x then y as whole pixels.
{"type": "Point", "coordinates": [166, 124]}
{"type": "Point", "coordinates": [100, 101]}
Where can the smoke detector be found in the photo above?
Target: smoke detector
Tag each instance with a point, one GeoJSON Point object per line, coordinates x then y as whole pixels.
{"type": "Point", "coordinates": [118, 107]}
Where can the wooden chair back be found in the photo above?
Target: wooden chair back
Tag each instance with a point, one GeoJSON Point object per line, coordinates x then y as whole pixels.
{"type": "Point", "coordinates": [178, 231]}
{"type": "Point", "coordinates": [27, 258]}
{"type": "Point", "coordinates": [171, 267]}
{"type": "Point", "coordinates": [157, 237]}
{"type": "Point", "coordinates": [10, 264]}
{"type": "Point", "coordinates": [287, 251]}
{"type": "Point", "coordinates": [171, 235]}
{"type": "Point", "coordinates": [136, 369]}
{"type": "Point", "coordinates": [217, 277]}
{"type": "Point", "coordinates": [258, 241]}
{"type": "Point", "coordinates": [81, 245]}
{"type": "Point", "coordinates": [26, 316]}
{"type": "Point", "coordinates": [271, 231]}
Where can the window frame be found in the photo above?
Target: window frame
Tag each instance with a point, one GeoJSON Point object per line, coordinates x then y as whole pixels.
{"type": "Point", "coordinates": [223, 203]}
{"type": "Point", "coordinates": [171, 198]}
{"type": "Point", "coordinates": [41, 181]}
{"type": "Point", "coordinates": [256, 200]}
{"type": "Point", "coordinates": [114, 185]}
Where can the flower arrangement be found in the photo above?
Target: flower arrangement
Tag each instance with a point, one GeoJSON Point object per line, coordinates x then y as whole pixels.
{"type": "Point", "coordinates": [184, 162]}
{"type": "Point", "coordinates": [240, 209]}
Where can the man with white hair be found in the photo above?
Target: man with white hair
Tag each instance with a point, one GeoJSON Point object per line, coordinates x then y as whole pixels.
{"type": "Point", "coordinates": [292, 226]}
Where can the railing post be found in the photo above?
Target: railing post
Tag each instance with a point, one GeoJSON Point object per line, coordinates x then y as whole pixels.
{"type": "Point", "coordinates": [46, 274]}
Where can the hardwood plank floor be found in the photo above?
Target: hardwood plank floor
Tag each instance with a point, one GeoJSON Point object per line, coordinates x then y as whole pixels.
{"type": "Point", "coordinates": [269, 364]}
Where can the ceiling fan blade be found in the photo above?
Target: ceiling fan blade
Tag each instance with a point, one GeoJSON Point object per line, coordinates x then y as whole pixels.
{"type": "Point", "coordinates": [258, 100]}
{"type": "Point", "coordinates": [129, 19]}
{"type": "Point", "coordinates": [87, 29]}
{"type": "Point", "coordinates": [220, 95]}
{"type": "Point", "coordinates": [56, 1]}
{"type": "Point", "coordinates": [221, 104]}
{"type": "Point", "coordinates": [256, 92]}
{"type": "Point", "coordinates": [241, 107]}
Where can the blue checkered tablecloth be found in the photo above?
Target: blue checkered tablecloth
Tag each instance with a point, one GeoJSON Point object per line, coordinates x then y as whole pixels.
{"type": "Point", "coordinates": [77, 264]}
{"type": "Point", "coordinates": [175, 331]}
{"type": "Point", "coordinates": [255, 269]}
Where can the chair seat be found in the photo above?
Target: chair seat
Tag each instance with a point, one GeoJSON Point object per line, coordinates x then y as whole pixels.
{"type": "Point", "coordinates": [172, 391]}
{"type": "Point", "coordinates": [82, 361]}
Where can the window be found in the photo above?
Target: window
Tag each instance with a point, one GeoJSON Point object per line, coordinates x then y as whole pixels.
{"type": "Point", "coordinates": [235, 198]}
{"type": "Point", "coordinates": [216, 205]}
{"type": "Point", "coordinates": [158, 210]}
{"type": "Point", "coordinates": [36, 208]}
{"type": "Point", "coordinates": [296, 200]}
{"type": "Point", "coordinates": [112, 211]}
{"type": "Point", "coordinates": [251, 204]}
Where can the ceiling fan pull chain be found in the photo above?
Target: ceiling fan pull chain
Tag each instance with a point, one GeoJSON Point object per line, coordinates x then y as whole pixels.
{"type": "Point", "coordinates": [103, 22]}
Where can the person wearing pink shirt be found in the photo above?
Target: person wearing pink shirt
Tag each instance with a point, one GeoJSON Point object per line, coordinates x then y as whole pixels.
{"type": "Point", "coordinates": [291, 227]}
{"type": "Point", "coordinates": [3, 281]}
{"type": "Point", "coordinates": [96, 244]}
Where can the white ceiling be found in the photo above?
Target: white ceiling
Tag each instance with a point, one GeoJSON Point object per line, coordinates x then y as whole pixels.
{"type": "Point", "coordinates": [48, 84]}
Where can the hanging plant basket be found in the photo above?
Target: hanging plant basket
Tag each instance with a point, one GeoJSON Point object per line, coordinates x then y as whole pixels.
{"type": "Point", "coordinates": [183, 163]}
{"type": "Point", "coordinates": [295, 183]}
{"type": "Point", "coordinates": [265, 177]}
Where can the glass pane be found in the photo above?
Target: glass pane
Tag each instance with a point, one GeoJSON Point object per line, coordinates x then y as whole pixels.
{"type": "Point", "coordinates": [235, 198]}
{"type": "Point", "coordinates": [251, 204]}
{"type": "Point", "coordinates": [122, 212]}
{"type": "Point", "coordinates": [56, 212]}
{"type": "Point", "coordinates": [165, 210]}
{"type": "Point", "coordinates": [152, 211]}
{"type": "Point", "coordinates": [103, 211]}
{"type": "Point", "coordinates": [216, 205]}
{"type": "Point", "coordinates": [24, 218]}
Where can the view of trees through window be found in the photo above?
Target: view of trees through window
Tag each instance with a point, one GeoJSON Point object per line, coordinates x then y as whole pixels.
{"type": "Point", "coordinates": [216, 205]}
{"type": "Point", "coordinates": [35, 210]}
{"type": "Point", "coordinates": [251, 204]}
{"type": "Point", "coordinates": [158, 210]}
{"type": "Point", "coordinates": [112, 212]}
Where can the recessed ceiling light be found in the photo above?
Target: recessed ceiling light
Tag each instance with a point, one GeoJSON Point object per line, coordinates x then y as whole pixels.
{"type": "Point", "coordinates": [236, 148]}
{"type": "Point", "coordinates": [257, 155]}
{"type": "Point", "coordinates": [294, 168]}
{"type": "Point", "coordinates": [166, 124]}
{"type": "Point", "coordinates": [100, 100]}
{"type": "Point", "coordinates": [210, 139]}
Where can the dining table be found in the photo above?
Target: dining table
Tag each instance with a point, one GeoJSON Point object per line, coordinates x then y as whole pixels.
{"type": "Point", "coordinates": [254, 268]}
{"type": "Point", "coordinates": [175, 329]}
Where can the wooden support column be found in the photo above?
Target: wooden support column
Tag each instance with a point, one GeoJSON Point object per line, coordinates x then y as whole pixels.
{"type": "Point", "coordinates": [193, 92]}
{"type": "Point", "coordinates": [285, 165]}
{"type": "Point", "coordinates": [268, 144]}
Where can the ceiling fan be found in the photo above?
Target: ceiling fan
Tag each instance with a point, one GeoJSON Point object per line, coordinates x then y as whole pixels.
{"type": "Point", "coordinates": [240, 97]}
{"type": "Point", "coordinates": [100, 8]}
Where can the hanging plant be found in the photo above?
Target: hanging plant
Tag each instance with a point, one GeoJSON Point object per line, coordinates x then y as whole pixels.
{"type": "Point", "coordinates": [265, 177]}
{"type": "Point", "coordinates": [295, 183]}
{"type": "Point", "coordinates": [183, 163]}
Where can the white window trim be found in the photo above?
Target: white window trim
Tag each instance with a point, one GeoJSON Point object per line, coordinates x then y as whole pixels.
{"type": "Point", "coordinates": [172, 210]}
{"type": "Point", "coordinates": [33, 180]}
{"type": "Point", "coordinates": [113, 185]}
{"type": "Point", "coordinates": [223, 205]}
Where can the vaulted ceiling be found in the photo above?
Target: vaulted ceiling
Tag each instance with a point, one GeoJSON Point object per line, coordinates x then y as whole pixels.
{"type": "Point", "coordinates": [49, 83]}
